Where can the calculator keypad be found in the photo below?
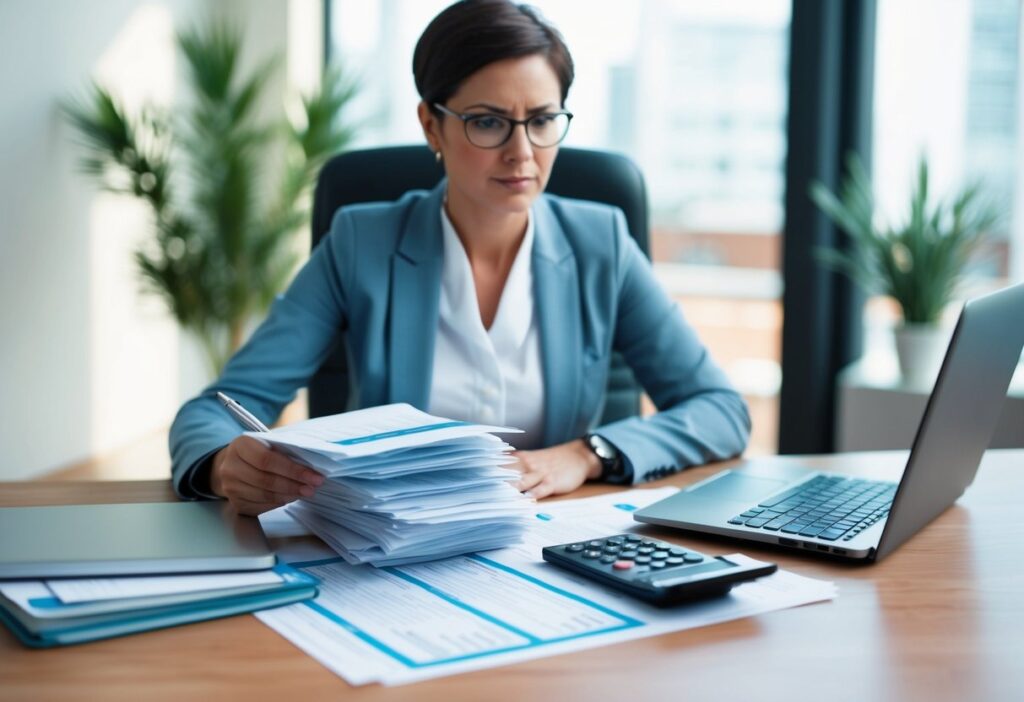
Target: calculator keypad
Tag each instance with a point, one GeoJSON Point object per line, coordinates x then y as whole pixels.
{"type": "Point", "coordinates": [658, 572]}
{"type": "Point", "coordinates": [633, 554]}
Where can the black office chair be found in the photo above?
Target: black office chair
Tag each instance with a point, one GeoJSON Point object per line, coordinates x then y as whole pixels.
{"type": "Point", "coordinates": [384, 174]}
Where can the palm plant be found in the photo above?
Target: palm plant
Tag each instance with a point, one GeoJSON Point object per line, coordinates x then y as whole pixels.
{"type": "Point", "coordinates": [919, 264]}
{"type": "Point", "coordinates": [222, 249]}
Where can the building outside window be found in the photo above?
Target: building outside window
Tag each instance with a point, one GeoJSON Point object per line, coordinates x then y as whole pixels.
{"type": "Point", "coordinates": [947, 86]}
{"type": "Point", "coordinates": [696, 94]}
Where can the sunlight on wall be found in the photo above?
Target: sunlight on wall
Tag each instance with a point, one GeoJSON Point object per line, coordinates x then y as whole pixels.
{"type": "Point", "coordinates": [305, 61]}
{"type": "Point", "coordinates": [143, 366]}
{"type": "Point", "coordinates": [305, 44]}
{"type": "Point", "coordinates": [134, 339]}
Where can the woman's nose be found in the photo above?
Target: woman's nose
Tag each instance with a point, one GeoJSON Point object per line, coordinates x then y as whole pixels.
{"type": "Point", "coordinates": [518, 146]}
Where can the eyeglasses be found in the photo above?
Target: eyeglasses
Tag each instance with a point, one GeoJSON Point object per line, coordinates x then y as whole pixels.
{"type": "Point", "coordinates": [489, 131]}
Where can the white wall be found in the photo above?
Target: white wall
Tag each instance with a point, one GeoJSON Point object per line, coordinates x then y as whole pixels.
{"type": "Point", "coordinates": [87, 364]}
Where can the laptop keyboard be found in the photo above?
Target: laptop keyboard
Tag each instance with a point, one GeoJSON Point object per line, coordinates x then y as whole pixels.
{"type": "Point", "coordinates": [826, 507]}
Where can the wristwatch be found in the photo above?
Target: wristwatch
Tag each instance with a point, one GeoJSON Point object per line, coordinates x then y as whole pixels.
{"type": "Point", "coordinates": [613, 465]}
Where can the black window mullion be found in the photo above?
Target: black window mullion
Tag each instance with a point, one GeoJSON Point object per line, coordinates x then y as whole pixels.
{"type": "Point", "coordinates": [830, 112]}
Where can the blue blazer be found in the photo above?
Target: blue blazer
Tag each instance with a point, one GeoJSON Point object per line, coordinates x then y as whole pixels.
{"type": "Point", "coordinates": [376, 277]}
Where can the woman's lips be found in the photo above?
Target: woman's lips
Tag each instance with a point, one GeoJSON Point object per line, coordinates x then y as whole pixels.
{"type": "Point", "coordinates": [517, 184]}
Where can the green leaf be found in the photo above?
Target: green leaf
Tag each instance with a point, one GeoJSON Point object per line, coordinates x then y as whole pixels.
{"type": "Point", "coordinates": [218, 256]}
{"type": "Point", "coordinates": [919, 263]}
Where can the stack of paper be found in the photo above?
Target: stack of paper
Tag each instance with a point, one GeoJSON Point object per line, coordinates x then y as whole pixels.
{"type": "Point", "coordinates": [45, 613]}
{"type": "Point", "coordinates": [404, 486]}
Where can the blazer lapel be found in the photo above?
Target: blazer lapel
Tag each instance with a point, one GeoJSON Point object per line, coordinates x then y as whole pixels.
{"type": "Point", "coordinates": [557, 303]}
{"type": "Point", "coordinates": [415, 293]}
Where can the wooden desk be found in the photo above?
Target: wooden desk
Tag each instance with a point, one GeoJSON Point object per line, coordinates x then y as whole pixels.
{"type": "Point", "coordinates": [941, 618]}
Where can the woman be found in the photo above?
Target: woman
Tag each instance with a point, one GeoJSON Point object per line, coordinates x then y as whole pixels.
{"type": "Point", "coordinates": [483, 300]}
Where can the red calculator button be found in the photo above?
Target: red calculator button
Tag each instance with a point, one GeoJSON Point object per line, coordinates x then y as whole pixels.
{"type": "Point", "coordinates": [622, 565]}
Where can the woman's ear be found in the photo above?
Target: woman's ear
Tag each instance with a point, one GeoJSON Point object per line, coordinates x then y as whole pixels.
{"type": "Point", "coordinates": [431, 126]}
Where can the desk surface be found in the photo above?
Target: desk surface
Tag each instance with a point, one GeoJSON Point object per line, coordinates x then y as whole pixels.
{"type": "Point", "coordinates": [941, 618]}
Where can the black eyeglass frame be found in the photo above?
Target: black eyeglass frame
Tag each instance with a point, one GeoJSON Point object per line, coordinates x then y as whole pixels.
{"type": "Point", "coordinates": [466, 117]}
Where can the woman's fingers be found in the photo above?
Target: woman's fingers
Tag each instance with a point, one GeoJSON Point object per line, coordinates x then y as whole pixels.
{"type": "Point", "coordinates": [530, 477]}
{"type": "Point", "coordinates": [255, 479]}
{"type": "Point", "coordinates": [269, 461]}
{"type": "Point", "coordinates": [245, 492]}
{"type": "Point", "coordinates": [552, 471]}
{"type": "Point", "coordinates": [236, 473]}
{"type": "Point", "coordinates": [529, 481]}
{"type": "Point", "coordinates": [273, 483]}
{"type": "Point", "coordinates": [542, 489]}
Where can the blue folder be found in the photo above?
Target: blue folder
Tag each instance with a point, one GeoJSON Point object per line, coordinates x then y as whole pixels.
{"type": "Point", "coordinates": [295, 586]}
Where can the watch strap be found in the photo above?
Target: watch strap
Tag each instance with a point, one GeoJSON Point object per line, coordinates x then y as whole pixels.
{"type": "Point", "coordinates": [614, 469]}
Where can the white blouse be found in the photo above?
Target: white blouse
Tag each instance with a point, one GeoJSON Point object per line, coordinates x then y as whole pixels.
{"type": "Point", "coordinates": [490, 376]}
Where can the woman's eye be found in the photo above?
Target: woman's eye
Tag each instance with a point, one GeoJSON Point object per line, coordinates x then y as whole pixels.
{"type": "Point", "coordinates": [488, 123]}
{"type": "Point", "coordinates": [542, 120]}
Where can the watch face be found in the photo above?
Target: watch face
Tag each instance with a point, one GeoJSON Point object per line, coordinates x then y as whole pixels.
{"type": "Point", "coordinates": [602, 448]}
{"type": "Point", "coordinates": [613, 469]}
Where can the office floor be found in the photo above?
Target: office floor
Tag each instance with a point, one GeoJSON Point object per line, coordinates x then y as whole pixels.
{"type": "Point", "coordinates": [743, 336]}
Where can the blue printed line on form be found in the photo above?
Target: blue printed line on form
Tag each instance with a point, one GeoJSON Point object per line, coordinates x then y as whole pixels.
{"type": "Point", "coordinates": [359, 633]}
{"type": "Point", "coordinates": [463, 605]}
{"type": "Point", "coordinates": [626, 621]}
{"type": "Point", "coordinates": [45, 603]}
{"type": "Point", "coordinates": [318, 562]}
{"type": "Point", "coordinates": [399, 432]}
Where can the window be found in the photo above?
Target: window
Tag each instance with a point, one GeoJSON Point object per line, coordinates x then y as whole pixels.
{"type": "Point", "coordinates": [947, 86]}
{"type": "Point", "coordinates": [696, 94]}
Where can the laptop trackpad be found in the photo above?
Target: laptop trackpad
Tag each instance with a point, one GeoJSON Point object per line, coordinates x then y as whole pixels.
{"type": "Point", "coordinates": [740, 487]}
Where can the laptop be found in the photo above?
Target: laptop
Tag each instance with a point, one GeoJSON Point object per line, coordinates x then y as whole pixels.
{"type": "Point", "coordinates": [853, 518]}
{"type": "Point", "coordinates": [129, 539]}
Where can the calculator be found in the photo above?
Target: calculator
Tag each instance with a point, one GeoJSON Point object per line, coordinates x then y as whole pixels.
{"type": "Point", "coordinates": [653, 570]}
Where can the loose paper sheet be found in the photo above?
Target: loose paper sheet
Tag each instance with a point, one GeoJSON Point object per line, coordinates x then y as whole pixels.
{"type": "Point", "coordinates": [407, 623]}
{"type": "Point", "coordinates": [93, 589]}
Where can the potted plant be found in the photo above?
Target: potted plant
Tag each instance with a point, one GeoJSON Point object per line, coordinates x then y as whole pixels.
{"type": "Point", "coordinates": [920, 263]}
{"type": "Point", "coordinates": [221, 247]}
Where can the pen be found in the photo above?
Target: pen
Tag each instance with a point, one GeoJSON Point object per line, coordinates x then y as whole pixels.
{"type": "Point", "coordinates": [244, 416]}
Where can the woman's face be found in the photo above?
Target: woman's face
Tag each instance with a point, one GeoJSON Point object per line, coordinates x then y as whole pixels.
{"type": "Point", "coordinates": [506, 179]}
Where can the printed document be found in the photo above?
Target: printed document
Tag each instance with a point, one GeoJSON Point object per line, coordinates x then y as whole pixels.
{"type": "Point", "coordinates": [76, 590]}
{"type": "Point", "coordinates": [401, 624]}
{"type": "Point", "coordinates": [403, 486]}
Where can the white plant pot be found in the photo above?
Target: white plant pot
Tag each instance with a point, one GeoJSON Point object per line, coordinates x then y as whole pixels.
{"type": "Point", "coordinates": [920, 349]}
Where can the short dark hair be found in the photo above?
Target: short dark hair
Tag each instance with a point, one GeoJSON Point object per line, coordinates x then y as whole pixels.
{"type": "Point", "coordinates": [471, 34]}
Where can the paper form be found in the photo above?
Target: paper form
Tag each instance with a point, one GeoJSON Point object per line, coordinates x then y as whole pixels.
{"type": "Point", "coordinates": [92, 589]}
{"type": "Point", "coordinates": [278, 524]}
{"type": "Point", "coordinates": [405, 623]}
{"type": "Point", "coordinates": [397, 489]}
{"type": "Point", "coordinates": [55, 599]}
{"type": "Point", "coordinates": [375, 430]}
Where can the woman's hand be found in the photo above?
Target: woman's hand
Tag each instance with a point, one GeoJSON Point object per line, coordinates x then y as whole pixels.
{"type": "Point", "coordinates": [556, 470]}
{"type": "Point", "coordinates": [256, 479]}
